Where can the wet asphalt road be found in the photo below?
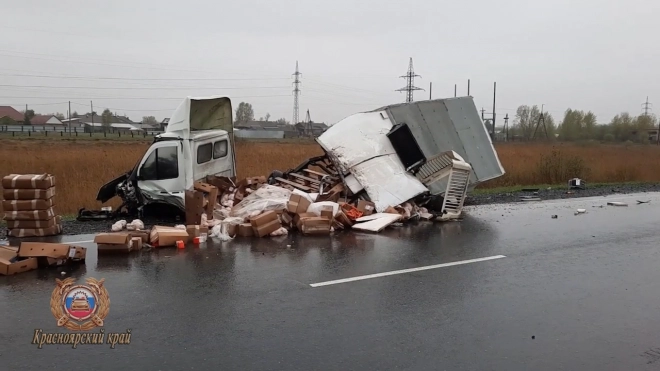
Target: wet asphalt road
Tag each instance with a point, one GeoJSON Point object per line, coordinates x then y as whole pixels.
{"type": "Point", "coordinates": [577, 292]}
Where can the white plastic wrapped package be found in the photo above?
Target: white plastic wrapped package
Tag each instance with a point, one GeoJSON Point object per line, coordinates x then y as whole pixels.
{"type": "Point", "coordinates": [220, 231]}
{"type": "Point", "coordinates": [118, 226]}
{"type": "Point", "coordinates": [137, 224]}
{"type": "Point", "coordinates": [316, 207]}
{"type": "Point", "coordinates": [180, 226]}
{"type": "Point", "coordinates": [221, 213]}
{"type": "Point", "coordinates": [280, 232]}
{"type": "Point", "coordinates": [204, 220]}
{"type": "Point", "coordinates": [234, 220]}
{"type": "Point", "coordinates": [268, 197]}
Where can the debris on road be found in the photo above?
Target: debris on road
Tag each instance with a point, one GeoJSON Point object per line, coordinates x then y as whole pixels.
{"type": "Point", "coordinates": [642, 202]}
{"type": "Point", "coordinates": [28, 205]}
{"type": "Point", "coordinates": [580, 211]}
{"type": "Point", "coordinates": [33, 255]}
{"type": "Point", "coordinates": [398, 163]}
{"type": "Point", "coordinates": [616, 203]}
{"type": "Point", "coordinates": [554, 217]}
{"type": "Point", "coordinates": [576, 183]}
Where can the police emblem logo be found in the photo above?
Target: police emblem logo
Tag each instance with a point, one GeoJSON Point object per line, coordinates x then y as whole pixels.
{"type": "Point", "coordinates": [80, 307]}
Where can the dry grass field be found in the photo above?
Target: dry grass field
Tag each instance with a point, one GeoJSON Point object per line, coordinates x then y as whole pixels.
{"type": "Point", "coordinates": [82, 166]}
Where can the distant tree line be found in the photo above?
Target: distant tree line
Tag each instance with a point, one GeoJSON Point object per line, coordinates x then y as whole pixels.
{"type": "Point", "coordinates": [579, 125]}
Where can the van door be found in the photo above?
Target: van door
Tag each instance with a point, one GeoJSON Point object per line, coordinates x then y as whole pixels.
{"type": "Point", "coordinates": [160, 177]}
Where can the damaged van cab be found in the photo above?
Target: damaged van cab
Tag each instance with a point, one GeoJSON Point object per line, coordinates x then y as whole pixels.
{"type": "Point", "coordinates": [197, 142]}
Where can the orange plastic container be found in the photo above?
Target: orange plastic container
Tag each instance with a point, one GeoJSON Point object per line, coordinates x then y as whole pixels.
{"type": "Point", "coordinates": [180, 244]}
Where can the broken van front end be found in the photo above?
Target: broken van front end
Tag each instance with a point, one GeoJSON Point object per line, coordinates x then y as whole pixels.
{"type": "Point", "coordinates": [198, 142]}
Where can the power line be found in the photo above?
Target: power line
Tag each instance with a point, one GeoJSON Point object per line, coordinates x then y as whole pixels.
{"type": "Point", "coordinates": [140, 88]}
{"type": "Point", "coordinates": [145, 98]}
{"type": "Point", "coordinates": [410, 86]}
{"type": "Point", "coordinates": [138, 79]}
{"type": "Point", "coordinates": [296, 91]}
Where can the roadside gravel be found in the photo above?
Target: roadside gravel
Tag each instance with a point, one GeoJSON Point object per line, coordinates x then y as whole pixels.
{"type": "Point", "coordinates": [74, 227]}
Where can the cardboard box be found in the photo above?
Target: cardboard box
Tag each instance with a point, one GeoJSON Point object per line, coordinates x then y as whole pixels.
{"type": "Point", "coordinates": [11, 264]}
{"type": "Point", "coordinates": [161, 236]}
{"type": "Point", "coordinates": [367, 207]}
{"type": "Point", "coordinates": [223, 183]}
{"type": "Point", "coordinates": [141, 234]}
{"type": "Point", "coordinates": [36, 232]}
{"type": "Point", "coordinates": [343, 219]}
{"type": "Point", "coordinates": [195, 231]}
{"type": "Point", "coordinates": [286, 219]}
{"type": "Point", "coordinates": [245, 230]}
{"type": "Point", "coordinates": [315, 225]}
{"type": "Point", "coordinates": [28, 181]}
{"type": "Point", "coordinates": [33, 224]}
{"type": "Point", "coordinates": [136, 243]}
{"type": "Point", "coordinates": [30, 215]}
{"type": "Point", "coordinates": [50, 254]}
{"type": "Point", "coordinates": [327, 212]}
{"type": "Point", "coordinates": [265, 223]}
{"type": "Point", "coordinates": [212, 196]}
{"type": "Point", "coordinates": [28, 194]}
{"type": "Point", "coordinates": [298, 217]}
{"type": "Point", "coordinates": [251, 182]}
{"type": "Point", "coordinates": [297, 204]}
{"type": "Point", "coordinates": [114, 242]}
{"type": "Point", "coordinates": [26, 205]}
{"type": "Point", "coordinates": [194, 203]}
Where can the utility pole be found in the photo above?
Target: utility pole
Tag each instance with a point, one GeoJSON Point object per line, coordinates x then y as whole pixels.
{"type": "Point", "coordinates": [92, 108]}
{"type": "Point", "coordinates": [454, 90]}
{"type": "Point", "coordinates": [296, 92]}
{"type": "Point", "coordinates": [646, 106]}
{"type": "Point", "coordinates": [468, 87]}
{"type": "Point", "coordinates": [69, 118]}
{"type": "Point", "coordinates": [506, 128]}
{"type": "Point", "coordinates": [410, 85]}
{"type": "Point", "coordinates": [492, 135]}
{"type": "Point", "coordinates": [482, 113]}
{"type": "Point", "coordinates": [430, 89]}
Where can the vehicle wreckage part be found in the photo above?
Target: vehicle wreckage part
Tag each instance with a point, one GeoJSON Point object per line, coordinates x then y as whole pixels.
{"type": "Point", "coordinates": [451, 124]}
{"type": "Point", "coordinates": [406, 146]}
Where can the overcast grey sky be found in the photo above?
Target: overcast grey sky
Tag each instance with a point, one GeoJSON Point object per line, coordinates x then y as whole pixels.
{"type": "Point", "coordinates": [583, 54]}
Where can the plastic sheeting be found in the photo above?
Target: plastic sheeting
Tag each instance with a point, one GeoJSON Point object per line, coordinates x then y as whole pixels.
{"type": "Point", "coordinates": [268, 197]}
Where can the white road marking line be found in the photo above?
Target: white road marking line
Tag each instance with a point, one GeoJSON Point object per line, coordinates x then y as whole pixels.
{"type": "Point", "coordinates": [368, 276]}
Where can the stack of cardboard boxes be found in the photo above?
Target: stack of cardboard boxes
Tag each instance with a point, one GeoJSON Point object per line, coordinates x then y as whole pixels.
{"type": "Point", "coordinates": [28, 205]}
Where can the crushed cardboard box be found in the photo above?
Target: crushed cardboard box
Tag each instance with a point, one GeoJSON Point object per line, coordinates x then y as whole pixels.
{"type": "Point", "coordinates": [265, 223]}
{"type": "Point", "coordinates": [162, 236]}
{"type": "Point", "coordinates": [11, 263]}
{"type": "Point", "coordinates": [52, 254]}
{"type": "Point", "coordinates": [114, 242]}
